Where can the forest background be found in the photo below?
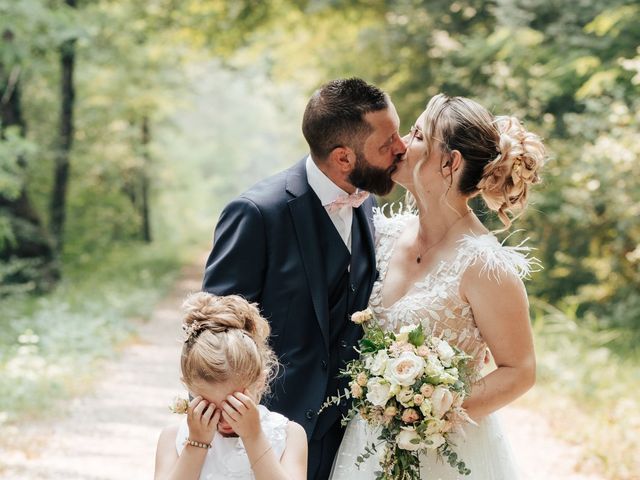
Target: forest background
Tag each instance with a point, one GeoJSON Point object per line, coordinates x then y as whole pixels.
{"type": "Point", "coordinates": [126, 125]}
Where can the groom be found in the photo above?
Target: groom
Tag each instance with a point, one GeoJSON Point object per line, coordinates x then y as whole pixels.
{"type": "Point", "coordinates": [300, 244]}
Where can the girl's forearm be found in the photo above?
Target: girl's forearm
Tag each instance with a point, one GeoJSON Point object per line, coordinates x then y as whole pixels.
{"type": "Point", "coordinates": [264, 462]}
{"type": "Point", "coordinates": [189, 464]}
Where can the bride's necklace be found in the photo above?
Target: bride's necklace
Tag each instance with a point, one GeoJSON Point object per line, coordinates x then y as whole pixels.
{"type": "Point", "coordinates": [424, 252]}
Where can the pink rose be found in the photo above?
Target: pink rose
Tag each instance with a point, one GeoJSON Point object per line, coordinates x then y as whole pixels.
{"type": "Point", "coordinates": [405, 369]}
{"type": "Point", "coordinates": [418, 399]}
{"type": "Point", "coordinates": [423, 351]}
{"type": "Point", "coordinates": [410, 416]}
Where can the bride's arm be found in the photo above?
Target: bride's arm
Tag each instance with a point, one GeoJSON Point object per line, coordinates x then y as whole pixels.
{"type": "Point", "coordinates": [501, 311]}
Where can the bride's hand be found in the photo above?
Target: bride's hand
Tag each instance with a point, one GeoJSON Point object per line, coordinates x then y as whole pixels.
{"type": "Point", "coordinates": [202, 419]}
{"type": "Point", "coordinates": [242, 414]}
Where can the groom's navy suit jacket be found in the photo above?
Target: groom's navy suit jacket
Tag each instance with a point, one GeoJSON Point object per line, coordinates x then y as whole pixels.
{"type": "Point", "coordinates": [276, 245]}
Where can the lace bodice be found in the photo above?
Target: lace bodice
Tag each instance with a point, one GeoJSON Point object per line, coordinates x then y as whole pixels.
{"type": "Point", "coordinates": [435, 301]}
{"type": "Point", "coordinates": [227, 458]}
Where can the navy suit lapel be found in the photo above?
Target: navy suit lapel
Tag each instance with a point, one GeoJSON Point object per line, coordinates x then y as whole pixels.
{"type": "Point", "coordinates": [302, 213]}
{"type": "Point", "coordinates": [366, 222]}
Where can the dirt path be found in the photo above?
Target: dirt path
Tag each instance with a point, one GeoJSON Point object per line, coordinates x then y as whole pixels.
{"type": "Point", "coordinates": [111, 434]}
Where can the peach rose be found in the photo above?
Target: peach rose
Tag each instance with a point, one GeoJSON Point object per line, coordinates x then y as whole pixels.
{"type": "Point", "coordinates": [356, 390]}
{"type": "Point", "coordinates": [410, 416]}
{"type": "Point", "coordinates": [362, 379]}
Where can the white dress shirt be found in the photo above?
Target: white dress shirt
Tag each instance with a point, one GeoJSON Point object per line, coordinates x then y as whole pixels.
{"type": "Point", "coordinates": [327, 192]}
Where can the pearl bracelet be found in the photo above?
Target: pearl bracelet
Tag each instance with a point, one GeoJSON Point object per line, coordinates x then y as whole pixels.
{"type": "Point", "coordinates": [193, 443]}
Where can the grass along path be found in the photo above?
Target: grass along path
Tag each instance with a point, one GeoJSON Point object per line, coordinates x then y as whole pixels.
{"type": "Point", "coordinates": [112, 433]}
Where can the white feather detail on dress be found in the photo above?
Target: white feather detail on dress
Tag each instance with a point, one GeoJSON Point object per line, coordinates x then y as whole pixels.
{"type": "Point", "coordinates": [496, 257]}
{"type": "Point", "coordinates": [390, 219]}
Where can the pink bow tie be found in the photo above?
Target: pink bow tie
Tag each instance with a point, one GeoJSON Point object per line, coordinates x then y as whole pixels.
{"type": "Point", "coordinates": [354, 200]}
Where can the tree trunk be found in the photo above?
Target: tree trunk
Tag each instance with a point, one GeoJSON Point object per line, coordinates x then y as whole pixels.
{"type": "Point", "coordinates": [144, 207]}
{"type": "Point", "coordinates": [29, 261]}
{"type": "Point", "coordinates": [62, 166]}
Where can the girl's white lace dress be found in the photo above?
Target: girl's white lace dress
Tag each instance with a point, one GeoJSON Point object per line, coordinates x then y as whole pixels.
{"type": "Point", "coordinates": [436, 303]}
{"type": "Point", "coordinates": [227, 458]}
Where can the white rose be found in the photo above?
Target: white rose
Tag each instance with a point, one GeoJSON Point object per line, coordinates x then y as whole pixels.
{"type": "Point", "coordinates": [403, 335]}
{"type": "Point", "coordinates": [179, 405]}
{"type": "Point", "coordinates": [425, 407]}
{"type": "Point", "coordinates": [378, 392]}
{"type": "Point", "coordinates": [447, 378]}
{"type": "Point", "coordinates": [405, 369]}
{"type": "Point", "coordinates": [445, 352]}
{"type": "Point", "coordinates": [395, 389]}
{"type": "Point", "coordinates": [405, 397]}
{"type": "Point", "coordinates": [434, 441]}
{"type": "Point", "coordinates": [441, 400]}
{"type": "Point", "coordinates": [379, 362]}
{"type": "Point", "coordinates": [433, 367]}
{"type": "Point", "coordinates": [427, 390]}
{"type": "Point", "coordinates": [405, 437]}
{"type": "Point", "coordinates": [435, 426]}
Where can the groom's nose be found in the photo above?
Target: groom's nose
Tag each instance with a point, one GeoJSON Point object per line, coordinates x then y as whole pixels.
{"type": "Point", "coordinates": [400, 146]}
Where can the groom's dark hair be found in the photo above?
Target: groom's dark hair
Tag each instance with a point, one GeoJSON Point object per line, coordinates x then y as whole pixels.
{"type": "Point", "coordinates": [334, 116]}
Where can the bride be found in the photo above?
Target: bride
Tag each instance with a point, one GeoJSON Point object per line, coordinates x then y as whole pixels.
{"type": "Point", "coordinates": [443, 268]}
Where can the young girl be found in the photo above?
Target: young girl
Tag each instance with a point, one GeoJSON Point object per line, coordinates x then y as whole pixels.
{"type": "Point", "coordinates": [226, 365]}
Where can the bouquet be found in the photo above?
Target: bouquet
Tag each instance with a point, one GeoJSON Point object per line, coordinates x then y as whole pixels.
{"type": "Point", "coordinates": [410, 387]}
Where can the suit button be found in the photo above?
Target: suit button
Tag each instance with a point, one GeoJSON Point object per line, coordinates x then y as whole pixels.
{"type": "Point", "coordinates": [343, 403]}
{"type": "Point", "coordinates": [344, 344]}
{"type": "Point", "coordinates": [309, 414]}
{"type": "Point", "coordinates": [353, 288]}
{"type": "Point", "coordinates": [324, 364]}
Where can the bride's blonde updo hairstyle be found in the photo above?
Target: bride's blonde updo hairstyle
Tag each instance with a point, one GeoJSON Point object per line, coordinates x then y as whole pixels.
{"type": "Point", "coordinates": [500, 157]}
{"type": "Point", "coordinates": [226, 338]}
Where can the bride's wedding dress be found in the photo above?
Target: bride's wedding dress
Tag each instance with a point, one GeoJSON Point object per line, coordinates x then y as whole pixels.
{"type": "Point", "coordinates": [435, 302]}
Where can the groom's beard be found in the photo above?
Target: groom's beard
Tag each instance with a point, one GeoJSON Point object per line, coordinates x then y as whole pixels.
{"type": "Point", "coordinates": [372, 179]}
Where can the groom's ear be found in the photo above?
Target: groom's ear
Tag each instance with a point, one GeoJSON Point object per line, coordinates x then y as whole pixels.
{"type": "Point", "coordinates": [343, 158]}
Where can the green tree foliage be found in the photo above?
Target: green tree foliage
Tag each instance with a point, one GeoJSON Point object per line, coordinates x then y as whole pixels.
{"type": "Point", "coordinates": [568, 69]}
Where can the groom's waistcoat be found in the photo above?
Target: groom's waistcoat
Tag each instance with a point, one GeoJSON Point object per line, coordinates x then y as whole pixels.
{"type": "Point", "coordinates": [347, 280]}
{"type": "Point", "coordinates": [276, 245]}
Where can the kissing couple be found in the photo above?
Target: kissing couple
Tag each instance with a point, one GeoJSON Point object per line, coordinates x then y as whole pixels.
{"type": "Point", "coordinates": [309, 247]}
